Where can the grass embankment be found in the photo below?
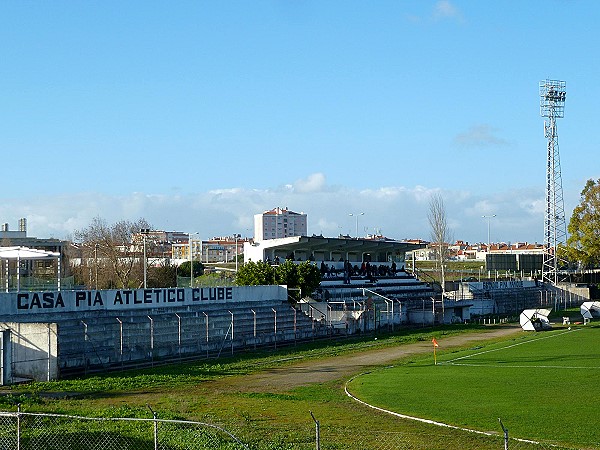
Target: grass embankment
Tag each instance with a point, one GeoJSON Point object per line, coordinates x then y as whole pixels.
{"type": "Point", "coordinates": [270, 417]}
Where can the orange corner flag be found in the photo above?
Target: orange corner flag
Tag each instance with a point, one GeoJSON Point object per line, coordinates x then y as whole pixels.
{"type": "Point", "coordinates": [435, 344]}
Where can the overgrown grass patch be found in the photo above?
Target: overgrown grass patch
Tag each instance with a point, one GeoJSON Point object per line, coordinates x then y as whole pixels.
{"type": "Point", "coordinates": [192, 373]}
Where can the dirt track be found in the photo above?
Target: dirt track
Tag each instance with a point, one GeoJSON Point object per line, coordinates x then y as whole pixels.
{"type": "Point", "coordinates": [310, 372]}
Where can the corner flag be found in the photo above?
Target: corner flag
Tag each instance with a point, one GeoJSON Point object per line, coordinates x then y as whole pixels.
{"type": "Point", "coordinates": [435, 345]}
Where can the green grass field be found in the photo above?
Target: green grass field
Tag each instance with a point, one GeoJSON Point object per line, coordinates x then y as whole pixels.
{"type": "Point", "coordinates": [279, 419]}
{"type": "Point", "coordinates": [544, 386]}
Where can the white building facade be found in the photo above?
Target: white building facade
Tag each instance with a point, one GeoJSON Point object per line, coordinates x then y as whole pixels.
{"type": "Point", "coordinates": [279, 223]}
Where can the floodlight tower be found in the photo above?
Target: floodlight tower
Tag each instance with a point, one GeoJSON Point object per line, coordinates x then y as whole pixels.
{"type": "Point", "coordinates": [552, 106]}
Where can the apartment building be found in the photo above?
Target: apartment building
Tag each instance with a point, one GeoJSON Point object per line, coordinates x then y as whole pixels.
{"type": "Point", "coordinates": [279, 223]}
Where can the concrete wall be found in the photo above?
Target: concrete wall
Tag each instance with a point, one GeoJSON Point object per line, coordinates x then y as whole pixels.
{"type": "Point", "coordinates": [5, 358]}
{"type": "Point", "coordinates": [574, 293]}
{"type": "Point", "coordinates": [31, 305]}
{"type": "Point", "coordinates": [55, 332]}
{"type": "Point", "coordinates": [416, 316]}
{"type": "Point", "coordinates": [34, 350]}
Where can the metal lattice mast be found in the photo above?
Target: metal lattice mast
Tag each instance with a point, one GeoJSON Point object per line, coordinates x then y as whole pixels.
{"type": "Point", "coordinates": [552, 106]}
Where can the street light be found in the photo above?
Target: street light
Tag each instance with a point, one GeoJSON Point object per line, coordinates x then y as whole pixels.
{"type": "Point", "coordinates": [236, 236]}
{"type": "Point", "coordinates": [96, 264]}
{"type": "Point", "coordinates": [144, 232]}
{"type": "Point", "coordinates": [356, 215]}
{"type": "Point", "coordinates": [191, 259]}
{"type": "Point", "coordinates": [488, 224]}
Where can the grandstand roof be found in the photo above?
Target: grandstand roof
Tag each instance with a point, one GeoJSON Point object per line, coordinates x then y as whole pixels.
{"type": "Point", "coordinates": [25, 253]}
{"type": "Point", "coordinates": [311, 244]}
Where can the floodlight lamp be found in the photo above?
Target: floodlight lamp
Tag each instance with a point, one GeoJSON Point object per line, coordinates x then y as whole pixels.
{"type": "Point", "coordinates": [552, 98]}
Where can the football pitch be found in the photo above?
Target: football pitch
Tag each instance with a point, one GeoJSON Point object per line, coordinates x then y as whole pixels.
{"type": "Point", "coordinates": [543, 386]}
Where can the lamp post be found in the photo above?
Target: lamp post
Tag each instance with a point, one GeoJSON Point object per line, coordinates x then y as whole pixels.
{"type": "Point", "coordinates": [144, 232]}
{"type": "Point", "coordinates": [191, 260]}
{"type": "Point", "coordinates": [356, 215]}
{"type": "Point", "coordinates": [488, 228]}
{"type": "Point", "coordinates": [236, 236]}
{"type": "Point", "coordinates": [96, 265]}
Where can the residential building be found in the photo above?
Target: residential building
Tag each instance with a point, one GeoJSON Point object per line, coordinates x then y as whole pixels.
{"type": "Point", "coordinates": [159, 244]}
{"type": "Point", "coordinates": [279, 223]}
{"type": "Point", "coordinates": [215, 250]}
{"type": "Point", "coordinates": [181, 250]}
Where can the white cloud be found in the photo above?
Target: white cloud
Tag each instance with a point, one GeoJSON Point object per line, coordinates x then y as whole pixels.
{"type": "Point", "coordinates": [482, 135]}
{"type": "Point", "coordinates": [444, 9]}
{"type": "Point", "coordinates": [312, 183]}
{"type": "Point", "coordinates": [398, 212]}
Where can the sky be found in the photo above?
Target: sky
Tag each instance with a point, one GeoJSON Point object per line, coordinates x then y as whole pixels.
{"type": "Point", "coordinates": [196, 115]}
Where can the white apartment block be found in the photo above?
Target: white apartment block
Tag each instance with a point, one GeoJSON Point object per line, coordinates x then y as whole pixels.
{"type": "Point", "coordinates": [279, 223]}
{"type": "Point", "coordinates": [215, 250]}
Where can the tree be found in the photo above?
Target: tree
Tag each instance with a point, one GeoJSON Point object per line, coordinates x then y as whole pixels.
{"type": "Point", "coordinates": [303, 277]}
{"type": "Point", "coordinates": [440, 234]}
{"type": "Point", "coordinates": [583, 243]}
{"type": "Point", "coordinates": [309, 277]}
{"type": "Point", "coordinates": [184, 269]}
{"type": "Point", "coordinates": [164, 275]}
{"type": "Point", "coordinates": [117, 261]}
{"type": "Point", "coordinates": [287, 273]}
{"type": "Point", "coordinates": [255, 274]}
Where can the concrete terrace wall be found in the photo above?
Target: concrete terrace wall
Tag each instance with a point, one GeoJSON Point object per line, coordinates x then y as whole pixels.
{"type": "Point", "coordinates": [98, 330]}
{"type": "Point", "coordinates": [29, 305]}
{"type": "Point", "coordinates": [34, 350]}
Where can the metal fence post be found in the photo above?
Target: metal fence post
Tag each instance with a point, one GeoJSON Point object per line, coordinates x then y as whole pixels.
{"type": "Point", "coordinates": [254, 327]}
{"type": "Point", "coordinates": [19, 426]}
{"type": "Point", "coordinates": [232, 324]}
{"type": "Point", "coordinates": [151, 339]}
{"type": "Point", "coordinates": [155, 417]}
{"type": "Point", "coordinates": [206, 322]}
{"type": "Point", "coordinates": [121, 339]}
{"type": "Point", "coordinates": [505, 434]}
{"type": "Point", "coordinates": [85, 339]}
{"type": "Point", "coordinates": [275, 326]}
{"type": "Point", "coordinates": [178, 334]}
{"type": "Point", "coordinates": [317, 432]}
{"type": "Point", "coordinates": [295, 325]}
{"type": "Point", "coordinates": [49, 350]}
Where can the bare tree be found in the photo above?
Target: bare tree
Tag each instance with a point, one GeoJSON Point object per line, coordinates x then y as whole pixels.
{"type": "Point", "coordinates": [110, 248]}
{"type": "Point", "coordinates": [440, 235]}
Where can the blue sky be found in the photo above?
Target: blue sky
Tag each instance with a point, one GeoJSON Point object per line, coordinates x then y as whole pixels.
{"type": "Point", "coordinates": [197, 115]}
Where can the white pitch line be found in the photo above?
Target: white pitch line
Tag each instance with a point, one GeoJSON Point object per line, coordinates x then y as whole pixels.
{"type": "Point", "coordinates": [454, 427]}
{"type": "Point", "coordinates": [428, 421]}
{"type": "Point", "coordinates": [515, 366]}
{"type": "Point", "coordinates": [510, 346]}
{"type": "Point", "coordinates": [404, 416]}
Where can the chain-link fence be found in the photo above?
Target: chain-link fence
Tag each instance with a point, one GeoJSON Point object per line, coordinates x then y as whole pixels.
{"type": "Point", "coordinates": [328, 436]}
{"type": "Point", "coordinates": [24, 431]}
